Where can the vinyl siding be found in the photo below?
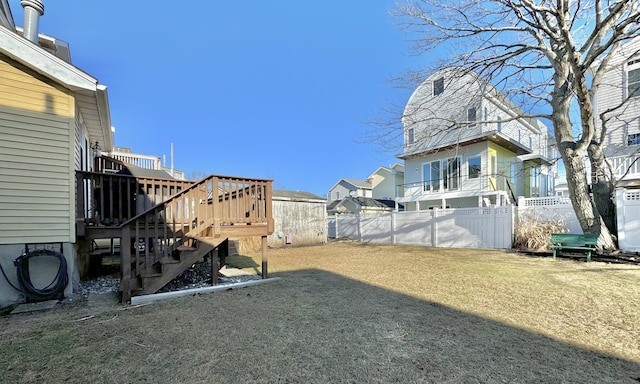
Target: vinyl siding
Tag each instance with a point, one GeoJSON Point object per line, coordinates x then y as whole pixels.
{"type": "Point", "coordinates": [36, 140]}
{"type": "Point", "coordinates": [437, 120]}
{"type": "Point", "coordinates": [610, 94]}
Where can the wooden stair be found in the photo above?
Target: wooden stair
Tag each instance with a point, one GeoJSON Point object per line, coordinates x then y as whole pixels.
{"type": "Point", "coordinates": [190, 225]}
{"type": "Point", "coordinates": [151, 279]}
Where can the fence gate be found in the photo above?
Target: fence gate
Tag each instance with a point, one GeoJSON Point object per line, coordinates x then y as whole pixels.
{"type": "Point", "coordinates": [628, 216]}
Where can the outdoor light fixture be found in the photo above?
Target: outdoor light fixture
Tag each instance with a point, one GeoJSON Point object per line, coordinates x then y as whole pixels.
{"type": "Point", "coordinates": [97, 151]}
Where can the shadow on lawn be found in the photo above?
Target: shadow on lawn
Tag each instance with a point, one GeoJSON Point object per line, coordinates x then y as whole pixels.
{"type": "Point", "coordinates": [312, 326]}
{"type": "Point", "coordinates": [411, 340]}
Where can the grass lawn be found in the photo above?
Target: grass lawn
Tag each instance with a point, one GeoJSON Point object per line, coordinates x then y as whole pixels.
{"type": "Point", "coordinates": [354, 313]}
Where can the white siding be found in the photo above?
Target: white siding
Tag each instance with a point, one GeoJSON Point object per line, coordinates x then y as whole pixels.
{"type": "Point", "coordinates": [36, 160]}
{"type": "Point", "coordinates": [610, 94]}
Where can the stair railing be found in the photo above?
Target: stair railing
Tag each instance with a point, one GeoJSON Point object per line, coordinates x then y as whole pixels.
{"type": "Point", "coordinates": [203, 208]}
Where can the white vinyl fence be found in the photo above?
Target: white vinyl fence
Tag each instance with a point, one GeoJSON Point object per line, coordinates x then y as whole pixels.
{"type": "Point", "coordinates": [628, 216]}
{"type": "Point", "coordinates": [486, 227]}
{"type": "Point", "coordinates": [543, 209]}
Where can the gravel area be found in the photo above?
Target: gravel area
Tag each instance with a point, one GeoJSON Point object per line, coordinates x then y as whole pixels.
{"type": "Point", "coordinates": [198, 276]}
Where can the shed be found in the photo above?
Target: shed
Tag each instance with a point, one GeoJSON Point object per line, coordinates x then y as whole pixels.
{"type": "Point", "coordinates": [300, 218]}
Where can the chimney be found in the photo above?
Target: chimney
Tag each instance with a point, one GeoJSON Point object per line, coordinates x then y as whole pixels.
{"type": "Point", "coordinates": [33, 9]}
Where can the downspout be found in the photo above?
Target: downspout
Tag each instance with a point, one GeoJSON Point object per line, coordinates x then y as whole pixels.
{"type": "Point", "coordinates": [33, 9]}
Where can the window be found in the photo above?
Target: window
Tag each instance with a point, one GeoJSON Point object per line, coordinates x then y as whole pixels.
{"type": "Point", "coordinates": [633, 79]}
{"type": "Point", "coordinates": [438, 86]}
{"type": "Point", "coordinates": [452, 176]}
{"type": "Point", "coordinates": [410, 136]}
{"type": "Point", "coordinates": [486, 116]}
{"type": "Point", "coordinates": [475, 166]}
{"type": "Point", "coordinates": [471, 116]}
{"type": "Point", "coordinates": [426, 177]}
{"type": "Point", "coordinates": [512, 173]}
{"type": "Point", "coordinates": [633, 139]}
{"type": "Point", "coordinates": [435, 176]}
{"type": "Point", "coordinates": [534, 184]}
{"type": "Point", "coordinates": [499, 123]}
{"type": "Point", "coordinates": [443, 174]}
{"type": "Point", "coordinates": [451, 173]}
{"type": "Point", "coordinates": [494, 165]}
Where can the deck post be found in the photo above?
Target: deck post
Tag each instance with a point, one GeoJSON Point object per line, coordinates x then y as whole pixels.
{"type": "Point", "coordinates": [264, 257]}
{"type": "Point", "coordinates": [214, 255]}
{"type": "Point", "coordinates": [125, 264]}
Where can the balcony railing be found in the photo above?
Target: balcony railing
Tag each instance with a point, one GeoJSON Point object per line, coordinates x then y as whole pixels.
{"type": "Point", "coordinates": [486, 183]}
{"type": "Point", "coordinates": [625, 167]}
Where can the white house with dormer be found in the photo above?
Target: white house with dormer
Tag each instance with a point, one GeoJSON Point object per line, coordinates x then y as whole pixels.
{"type": "Point", "coordinates": [467, 145]}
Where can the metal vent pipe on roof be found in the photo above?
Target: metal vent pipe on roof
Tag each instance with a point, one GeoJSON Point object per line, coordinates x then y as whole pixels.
{"type": "Point", "coordinates": [33, 9]}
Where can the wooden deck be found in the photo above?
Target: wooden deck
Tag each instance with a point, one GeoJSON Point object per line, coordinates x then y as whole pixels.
{"type": "Point", "coordinates": [165, 225]}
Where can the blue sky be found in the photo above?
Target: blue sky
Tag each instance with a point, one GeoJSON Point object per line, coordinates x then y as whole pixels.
{"type": "Point", "coordinates": [275, 89]}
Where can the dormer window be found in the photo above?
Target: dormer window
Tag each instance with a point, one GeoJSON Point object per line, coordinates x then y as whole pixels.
{"type": "Point", "coordinates": [410, 136]}
{"type": "Point", "coordinates": [438, 86]}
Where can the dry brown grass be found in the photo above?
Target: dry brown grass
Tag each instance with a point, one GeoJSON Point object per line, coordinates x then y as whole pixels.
{"type": "Point", "coordinates": [534, 234]}
{"type": "Point", "coordinates": [352, 312]}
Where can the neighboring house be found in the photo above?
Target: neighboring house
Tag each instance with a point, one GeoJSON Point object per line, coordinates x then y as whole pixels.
{"type": "Point", "coordinates": [466, 145]}
{"type": "Point", "coordinates": [50, 112]}
{"type": "Point", "coordinates": [360, 205]}
{"type": "Point", "coordinates": [387, 182]}
{"type": "Point", "coordinates": [619, 93]}
{"type": "Point", "coordinates": [126, 155]}
{"type": "Point", "coordinates": [350, 187]}
{"type": "Point", "coordinates": [562, 189]}
{"type": "Point", "coordinates": [300, 218]}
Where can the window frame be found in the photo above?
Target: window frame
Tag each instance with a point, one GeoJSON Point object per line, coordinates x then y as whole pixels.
{"type": "Point", "coordinates": [438, 86]}
{"type": "Point", "coordinates": [633, 67]}
{"type": "Point", "coordinates": [471, 118]}
{"type": "Point", "coordinates": [475, 174]}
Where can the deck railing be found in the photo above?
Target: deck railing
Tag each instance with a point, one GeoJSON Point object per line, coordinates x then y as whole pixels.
{"type": "Point", "coordinates": [108, 199]}
{"type": "Point", "coordinates": [203, 209]}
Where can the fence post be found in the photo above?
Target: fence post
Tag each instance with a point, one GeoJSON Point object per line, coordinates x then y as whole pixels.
{"type": "Point", "coordinates": [620, 216]}
{"type": "Point", "coordinates": [393, 227]}
{"type": "Point", "coordinates": [337, 232]}
{"type": "Point", "coordinates": [492, 226]}
{"type": "Point", "coordinates": [434, 227]}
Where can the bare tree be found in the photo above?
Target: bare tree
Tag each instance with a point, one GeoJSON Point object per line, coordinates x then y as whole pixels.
{"type": "Point", "coordinates": [549, 56]}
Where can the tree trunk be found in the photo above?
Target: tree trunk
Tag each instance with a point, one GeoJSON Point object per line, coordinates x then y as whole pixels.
{"type": "Point", "coordinates": [603, 189]}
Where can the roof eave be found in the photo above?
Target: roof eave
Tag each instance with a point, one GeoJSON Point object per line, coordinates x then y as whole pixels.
{"type": "Point", "coordinates": [91, 96]}
{"type": "Point", "coordinates": [43, 62]}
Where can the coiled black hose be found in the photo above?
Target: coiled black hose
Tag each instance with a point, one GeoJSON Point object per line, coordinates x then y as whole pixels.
{"type": "Point", "coordinates": [54, 290]}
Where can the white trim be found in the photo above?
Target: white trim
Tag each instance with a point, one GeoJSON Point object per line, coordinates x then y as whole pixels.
{"type": "Point", "coordinates": [41, 61]}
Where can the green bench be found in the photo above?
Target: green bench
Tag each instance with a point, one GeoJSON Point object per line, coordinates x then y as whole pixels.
{"type": "Point", "coordinates": [575, 242]}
